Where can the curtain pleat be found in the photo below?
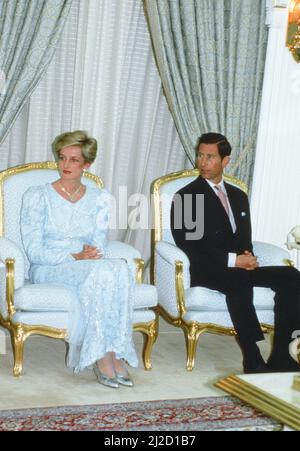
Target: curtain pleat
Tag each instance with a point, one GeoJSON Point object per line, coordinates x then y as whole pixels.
{"type": "Point", "coordinates": [211, 58]}
{"type": "Point", "coordinates": [103, 79]}
{"type": "Point", "coordinates": [29, 32]}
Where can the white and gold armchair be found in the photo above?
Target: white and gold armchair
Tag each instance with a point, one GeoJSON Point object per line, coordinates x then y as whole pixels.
{"type": "Point", "coordinates": [197, 309]}
{"type": "Point", "coordinates": [27, 309]}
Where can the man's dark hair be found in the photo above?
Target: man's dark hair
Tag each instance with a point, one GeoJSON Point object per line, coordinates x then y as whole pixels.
{"type": "Point", "coordinates": [224, 146]}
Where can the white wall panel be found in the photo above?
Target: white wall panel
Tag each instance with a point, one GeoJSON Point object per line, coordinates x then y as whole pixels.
{"type": "Point", "coordinates": [275, 199]}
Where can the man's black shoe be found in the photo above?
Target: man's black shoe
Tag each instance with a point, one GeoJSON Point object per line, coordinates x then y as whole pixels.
{"type": "Point", "coordinates": [259, 368]}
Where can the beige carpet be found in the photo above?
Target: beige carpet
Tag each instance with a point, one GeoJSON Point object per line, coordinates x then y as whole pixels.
{"type": "Point", "coordinates": [47, 382]}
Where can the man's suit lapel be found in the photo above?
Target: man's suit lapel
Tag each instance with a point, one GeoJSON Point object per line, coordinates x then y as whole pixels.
{"type": "Point", "coordinates": [213, 199]}
{"type": "Point", "coordinates": [209, 196]}
{"type": "Point", "coordinates": [235, 207]}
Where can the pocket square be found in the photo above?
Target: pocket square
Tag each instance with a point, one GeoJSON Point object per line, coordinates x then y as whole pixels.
{"type": "Point", "coordinates": [243, 213]}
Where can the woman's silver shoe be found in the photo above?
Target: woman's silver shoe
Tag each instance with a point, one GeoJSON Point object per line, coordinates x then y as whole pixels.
{"type": "Point", "coordinates": [124, 380]}
{"type": "Point", "coordinates": [105, 380]}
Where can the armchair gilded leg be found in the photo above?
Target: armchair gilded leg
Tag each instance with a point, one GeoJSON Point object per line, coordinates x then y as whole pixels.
{"type": "Point", "coordinates": [18, 338]}
{"type": "Point", "coordinates": [149, 341]}
{"type": "Point", "coordinates": [150, 332]}
{"type": "Point", "coordinates": [192, 333]}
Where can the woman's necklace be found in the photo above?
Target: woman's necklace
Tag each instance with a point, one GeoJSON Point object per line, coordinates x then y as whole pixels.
{"type": "Point", "coordinates": [70, 195]}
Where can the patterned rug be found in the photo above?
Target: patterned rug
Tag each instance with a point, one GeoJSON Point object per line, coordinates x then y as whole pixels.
{"type": "Point", "coordinates": [197, 414]}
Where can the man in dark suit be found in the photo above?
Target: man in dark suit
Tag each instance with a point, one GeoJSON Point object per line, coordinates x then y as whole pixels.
{"type": "Point", "coordinates": [222, 259]}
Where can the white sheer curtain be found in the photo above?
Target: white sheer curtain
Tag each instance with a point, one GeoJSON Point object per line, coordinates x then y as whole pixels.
{"type": "Point", "coordinates": [103, 79]}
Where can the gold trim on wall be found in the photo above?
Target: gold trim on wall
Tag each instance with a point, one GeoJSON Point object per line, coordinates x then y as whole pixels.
{"type": "Point", "coordinates": [267, 403]}
{"type": "Point", "coordinates": [293, 30]}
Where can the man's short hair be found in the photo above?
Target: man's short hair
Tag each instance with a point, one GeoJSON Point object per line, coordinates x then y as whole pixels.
{"type": "Point", "coordinates": [224, 146]}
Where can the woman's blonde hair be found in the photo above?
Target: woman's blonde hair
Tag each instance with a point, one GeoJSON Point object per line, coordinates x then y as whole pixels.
{"type": "Point", "coordinates": [77, 138]}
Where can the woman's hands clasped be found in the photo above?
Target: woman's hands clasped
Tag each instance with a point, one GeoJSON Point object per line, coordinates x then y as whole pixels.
{"type": "Point", "coordinates": [88, 253]}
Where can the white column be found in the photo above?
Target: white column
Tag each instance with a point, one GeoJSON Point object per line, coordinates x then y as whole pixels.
{"type": "Point", "coordinates": [275, 199]}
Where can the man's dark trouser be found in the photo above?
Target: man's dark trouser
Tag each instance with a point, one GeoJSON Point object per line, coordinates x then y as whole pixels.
{"type": "Point", "coordinates": [237, 284]}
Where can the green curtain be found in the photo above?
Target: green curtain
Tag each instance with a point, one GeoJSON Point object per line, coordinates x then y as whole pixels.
{"type": "Point", "coordinates": [211, 58]}
{"type": "Point", "coordinates": [29, 31]}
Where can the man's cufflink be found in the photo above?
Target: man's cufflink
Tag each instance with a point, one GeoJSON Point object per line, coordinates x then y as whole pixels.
{"type": "Point", "coordinates": [243, 213]}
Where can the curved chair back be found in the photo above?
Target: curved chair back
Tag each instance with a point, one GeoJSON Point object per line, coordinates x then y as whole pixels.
{"type": "Point", "coordinates": [162, 192]}
{"type": "Point", "coordinates": [13, 184]}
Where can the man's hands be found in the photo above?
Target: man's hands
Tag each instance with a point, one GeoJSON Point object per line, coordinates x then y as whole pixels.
{"type": "Point", "coordinates": [88, 253]}
{"type": "Point", "coordinates": [246, 261]}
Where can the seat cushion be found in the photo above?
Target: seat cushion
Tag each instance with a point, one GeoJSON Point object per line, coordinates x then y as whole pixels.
{"type": "Point", "coordinates": [223, 318]}
{"type": "Point", "coordinates": [43, 297]}
{"type": "Point", "coordinates": [143, 316]}
{"type": "Point", "coordinates": [204, 299]}
{"type": "Point", "coordinates": [145, 296]}
{"type": "Point", "coordinates": [58, 320]}
{"type": "Point", "coordinates": [47, 297]}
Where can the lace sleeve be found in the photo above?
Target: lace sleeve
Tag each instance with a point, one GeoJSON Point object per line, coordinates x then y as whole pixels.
{"type": "Point", "coordinates": [33, 213]}
{"type": "Point", "coordinates": [104, 208]}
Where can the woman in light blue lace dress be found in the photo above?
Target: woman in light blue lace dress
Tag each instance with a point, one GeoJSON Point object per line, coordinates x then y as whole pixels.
{"type": "Point", "coordinates": [64, 231]}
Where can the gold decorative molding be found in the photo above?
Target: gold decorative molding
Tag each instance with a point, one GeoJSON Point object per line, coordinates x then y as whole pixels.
{"type": "Point", "coordinates": [150, 333]}
{"type": "Point", "coordinates": [19, 332]}
{"type": "Point", "coordinates": [10, 286]}
{"type": "Point", "coordinates": [282, 411]}
{"type": "Point", "coordinates": [192, 331]}
{"type": "Point", "coordinates": [149, 330]}
{"type": "Point", "coordinates": [293, 29]}
{"type": "Point", "coordinates": [179, 288]}
{"type": "Point", "coordinates": [288, 262]}
{"type": "Point", "coordinates": [140, 265]}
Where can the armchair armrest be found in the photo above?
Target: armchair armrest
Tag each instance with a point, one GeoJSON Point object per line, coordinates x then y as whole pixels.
{"type": "Point", "coordinates": [270, 255]}
{"type": "Point", "coordinates": [172, 253]}
{"type": "Point", "coordinates": [3, 306]}
{"type": "Point", "coordinates": [172, 277]}
{"type": "Point", "coordinates": [118, 249]}
{"type": "Point", "coordinates": [10, 250]}
{"type": "Point", "coordinates": [7, 273]}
